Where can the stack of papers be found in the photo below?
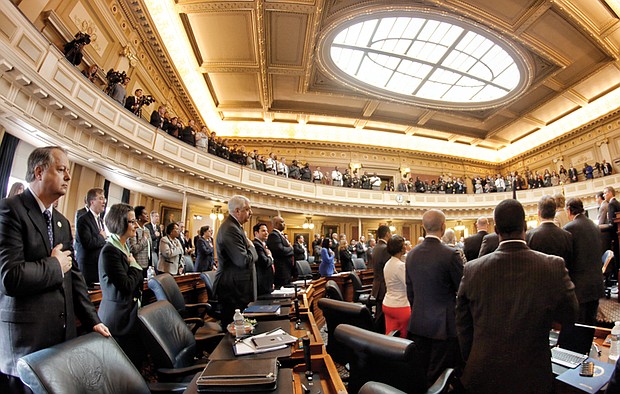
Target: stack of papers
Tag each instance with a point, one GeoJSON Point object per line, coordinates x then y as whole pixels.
{"type": "Point", "coordinates": [266, 342]}
{"type": "Point", "coordinates": [287, 291]}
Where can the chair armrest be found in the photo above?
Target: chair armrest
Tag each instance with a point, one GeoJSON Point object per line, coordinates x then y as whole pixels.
{"type": "Point", "coordinates": [194, 323]}
{"type": "Point", "coordinates": [394, 333]}
{"type": "Point", "coordinates": [168, 374]}
{"type": "Point", "coordinates": [441, 384]}
{"type": "Point", "coordinates": [199, 310]}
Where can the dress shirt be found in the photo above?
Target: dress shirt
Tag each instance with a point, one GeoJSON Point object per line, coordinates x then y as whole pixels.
{"type": "Point", "coordinates": [394, 274]}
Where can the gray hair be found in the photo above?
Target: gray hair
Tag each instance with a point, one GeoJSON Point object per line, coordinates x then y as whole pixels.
{"type": "Point", "coordinates": [236, 202]}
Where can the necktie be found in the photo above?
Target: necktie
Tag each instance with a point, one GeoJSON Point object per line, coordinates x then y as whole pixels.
{"type": "Point", "coordinates": [99, 222]}
{"type": "Point", "coordinates": [50, 230]}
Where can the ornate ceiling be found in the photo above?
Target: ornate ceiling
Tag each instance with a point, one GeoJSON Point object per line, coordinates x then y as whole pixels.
{"type": "Point", "coordinates": [252, 68]}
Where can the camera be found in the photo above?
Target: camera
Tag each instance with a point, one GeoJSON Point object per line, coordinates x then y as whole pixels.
{"type": "Point", "coordinates": [73, 49]}
{"type": "Point", "coordinates": [146, 100]}
{"type": "Point", "coordinates": [113, 77]}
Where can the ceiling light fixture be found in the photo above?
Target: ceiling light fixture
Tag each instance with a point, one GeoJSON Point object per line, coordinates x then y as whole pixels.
{"type": "Point", "coordinates": [308, 223]}
{"type": "Point", "coordinates": [216, 213]}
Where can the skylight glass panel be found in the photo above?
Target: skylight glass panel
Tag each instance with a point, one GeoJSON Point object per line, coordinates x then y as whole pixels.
{"type": "Point", "coordinates": [426, 57]}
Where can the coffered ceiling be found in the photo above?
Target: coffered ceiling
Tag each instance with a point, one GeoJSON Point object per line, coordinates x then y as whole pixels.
{"type": "Point", "coordinates": [253, 68]}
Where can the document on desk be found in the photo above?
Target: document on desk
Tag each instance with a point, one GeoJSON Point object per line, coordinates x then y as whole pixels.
{"type": "Point", "coordinates": [249, 344]}
{"type": "Point", "coordinates": [602, 375]}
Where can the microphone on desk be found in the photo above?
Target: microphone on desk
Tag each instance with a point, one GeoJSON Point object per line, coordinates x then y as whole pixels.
{"type": "Point", "coordinates": [306, 344]}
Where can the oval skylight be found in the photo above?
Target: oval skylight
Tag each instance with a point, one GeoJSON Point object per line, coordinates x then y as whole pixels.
{"type": "Point", "coordinates": [426, 58]}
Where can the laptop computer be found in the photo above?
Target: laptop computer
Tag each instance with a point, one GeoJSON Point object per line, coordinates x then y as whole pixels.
{"type": "Point", "coordinates": [574, 344]}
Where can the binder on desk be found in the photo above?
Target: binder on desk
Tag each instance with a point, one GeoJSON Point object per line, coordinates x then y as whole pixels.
{"type": "Point", "coordinates": [238, 376]}
{"type": "Point", "coordinates": [602, 375]}
{"type": "Point", "coordinates": [263, 309]}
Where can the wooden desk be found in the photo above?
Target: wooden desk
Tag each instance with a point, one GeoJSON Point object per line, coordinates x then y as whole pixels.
{"type": "Point", "coordinates": [325, 370]}
{"type": "Point", "coordinates": [192, 287]}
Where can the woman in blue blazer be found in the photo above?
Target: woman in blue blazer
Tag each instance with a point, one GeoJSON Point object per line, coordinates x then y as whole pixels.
{"type": "Point", "coordinates": [327, 267]}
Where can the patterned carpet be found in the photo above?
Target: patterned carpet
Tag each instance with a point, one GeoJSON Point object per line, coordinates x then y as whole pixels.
{"type": "Point", "coordinates": [608, 311]}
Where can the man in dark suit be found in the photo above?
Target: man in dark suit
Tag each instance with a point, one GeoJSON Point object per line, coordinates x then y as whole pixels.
{"type": "Point", "coordinates": [585, 268]}
{"type": "Point", "coordinates": [41, 288]}
{"type": "Point", "coordinates": [547, 237]}
{"type": "Point", "coordinates": [90, 236]}
{"type": "Point", "coordinates": [506, 304]}
{"type": "Point", "coordinates": [157, 117]}
{"type": "Point", "coordinates": [379, 257]}
{"type": "Point", "coordinates": [84, 209]}
{"type": "Point", "coordinates": [236, 255]}
{"type": "Point", "coordinates": [473, 242]}
{"type": "Point", "coordinates": [153, 227]}
{"type": "Point", "coordinates": [490, 242]}
{"type": "Point", "coordinates": [433, 274]}
{"type": "Point", "coordinates": [299, 248]}
{"type": "Point", "coordinates": [610, 227]}
{"type": "Point", "coordinates": [282, 252]}
{"type": "Point", "coordinates": [264, 263]}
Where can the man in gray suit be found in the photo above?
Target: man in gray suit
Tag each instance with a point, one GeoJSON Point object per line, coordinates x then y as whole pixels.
{"type": "Point", "coordinates": [140, 245]}
{"type": "Point", "coordinates": [379, 257]}
{"type": "Point", "coordinates": [548, 237]}
{"type": "Point", "coordinates": [585, 269]}
{"type": "Point", "coordinates": [234, 283]}
{"type": "Point", "coordinates": [41, 288]}
{"type": "Point", "coordinates": [433, 274]}
{"type": "Point", "coordinates": [506, 304]}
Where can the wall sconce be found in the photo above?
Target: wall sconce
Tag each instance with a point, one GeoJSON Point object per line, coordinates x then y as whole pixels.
{"type": "Point", "coordinates": [459, 226]}
{"type": "Point", "coordinates": [308, 224]}
{"type": "Point", "coordinates": [216, 212]}
{"type": "Point", "coordinates": [392, 228]}
{"type": "Point", "coordinates": [197, 217]}
{"type": "Point", "coordinates": [405, 170]}
{"type": "Point", "coordinates": [355, 166]}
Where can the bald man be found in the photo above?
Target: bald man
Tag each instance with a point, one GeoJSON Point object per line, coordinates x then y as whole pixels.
{"type": "Point", "coordinates": [473, 242]}
{"type": "Point", "coordinates": [282, 252]}
{"type": "Point", "coordinates": [433, 275]}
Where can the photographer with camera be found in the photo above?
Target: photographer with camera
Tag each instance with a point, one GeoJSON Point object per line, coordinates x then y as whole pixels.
{"type": "Point", "coordinates": [117, 85]}
{"type": "Point", "coordinates": [135, 103]}
{"type": "Point", "coordinates": [73, 49]}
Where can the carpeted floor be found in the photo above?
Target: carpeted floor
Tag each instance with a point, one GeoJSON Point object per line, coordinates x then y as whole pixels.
{"type": "Point", "coordinates": [608, 311]}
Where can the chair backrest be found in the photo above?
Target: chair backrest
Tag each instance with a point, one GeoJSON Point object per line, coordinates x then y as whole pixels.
{"type": "Point", "coordinates": [341, 312]}
{"type": "Point", "coordinates": [378, 388]}
{"type": "Point", "coordinates": [381, 358]}
{"type": "Point", "coordinates": [311, 259]}
{"type": "Point", "coordinates": [332, 291]}
{"type": "Point", "coordinates": [303, 268]}
{"type": "Point", "coordinates": [608, 256]}
{"type": "Point", "coordinates": [355, 281]}
{"type": "Point", "coordinates": [165, 288]}
{"type": "Point", "coordinates": [208, 277]}
{"type": "Point", "coordinates": [167, 337]}
{"type": "Point", "coordinates": [91, 363]}
{"type": "Point", "coordinates": [359, 264]}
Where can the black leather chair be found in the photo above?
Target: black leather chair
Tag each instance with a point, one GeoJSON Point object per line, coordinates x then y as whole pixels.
{"type": "Point", "coordinates": [379, 388]}
{"type": "Point", "coordinates": [171, 344]}
{"type": "Point", "coordinates": [304, 271]}
{"type": "Point", "coordinates": [341, 312]}
{"type": "Point", "coordinates": [332, 291]}
{"type": "Point", "coordinates": [165, 288]}
{"type": "Point", "coordinates": [385, 359]}
{"type": "Point", "coordinates": [208, 277]}
{"type": "Point", "coordinates": [91, 363]}
{"type": "Point", "coordinates": [361, 293]}
{"type": "Point", "coordinates": [359, 264]}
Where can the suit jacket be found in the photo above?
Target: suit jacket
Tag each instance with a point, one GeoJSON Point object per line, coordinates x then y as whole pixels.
{"type": "Point", "coordinates": [38, 306]}
{"type": "Point", "coordinates": [505, 306]}
{"type": "Point", "coordinates": [156, 119]}
{"type": "Point", "coordinates": [88, 244]}
{"type": "Point", "coordinates": [233, 280]}
{"type": "Point", "coordinates": [283, 254]}
{"type": "Point", "coordinates": [83, 210]}
{"type": "Point", "coordinates": [121, 288]}
{"type": "Point", "coordinates": [433, 274]}
{"type": "Point", "coordinates": [170, 255]}
{"type": "Point", "coordinates": [490, 242]}
{"type": "Point", "coordinates": [471, 248]}
{"type": "Point", "coordinates": [380, 256]}
{"type": "Point", "coordinates": [612, 208]}
{"type": "Point", "coordinates": [361, 252]}
{"type": "Point", "coordinates": [346, 260]}
{"type": "Point", "coordinates": [141, 247]}
{"type": "Point", "coordinates": [204, 254]}
{"type": "Point", "coordinates": [264, 269]}
{"type": "Point", "coordinates": [300, 251]}
{"type": "Point", "coordinates": [550, 239]}
{"type": "Point", "coordinates": [585, 269]}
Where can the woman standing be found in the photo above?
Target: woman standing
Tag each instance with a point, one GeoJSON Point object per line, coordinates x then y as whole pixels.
{"type": "Point", "coordinates": [204, 249]}
{"type": "Point", "coordinates": [345, 255]}
{"type": "Point", "coordinates": [121, 282]}
{"type": "Point", "coordinates": [171, 251]}
{"type": "Point", "coordinates": [327, 268]}
{"type": "Point", "coordinates": [395, 304]}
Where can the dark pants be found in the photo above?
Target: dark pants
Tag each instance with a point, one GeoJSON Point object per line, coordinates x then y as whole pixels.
{"type": "Point", "coordinates": [435, 355]}
{"type": "Point", "coordinates": [13, 385]}
{"type": "Point", "coordinates": [587, 313]}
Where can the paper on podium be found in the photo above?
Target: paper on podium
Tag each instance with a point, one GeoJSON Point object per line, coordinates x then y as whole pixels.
{"type": "Point", "coordinates": [246, 346]}
{"type": "Point", "coordinates": [288, 291]}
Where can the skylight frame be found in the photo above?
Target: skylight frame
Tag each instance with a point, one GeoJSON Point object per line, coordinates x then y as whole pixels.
{"type": "Point", "coordinates": [481, 40]}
